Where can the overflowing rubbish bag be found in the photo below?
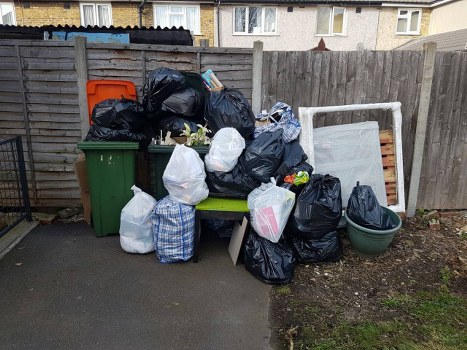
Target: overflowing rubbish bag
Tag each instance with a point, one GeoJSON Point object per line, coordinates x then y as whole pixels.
{"type": "Point", "coordinates": [188, 102]}
{"type": "Point", "coordinates": [234, 184]}
{"type": "Point", "coordinates": [281, 117]}
{"type": "Point", "coordinates": [226, 146]}
{"type": "Point", "coordinates": [229, 108]}
{"type": "Point", "coordinates": [364, 209]}
{"type": "Point", "coordinates": [174, 230]}
{"type": "Point", "coordinates": [293, 156]}
{"type": "Point", "coordinates": [318, 208]}
{"type": "Point", "coordinates": [264, 155]}
{"type": "Point", "coordinates": [160, 84]}
{"type": "Point", "coordinates": [328, 248]}
{"type": "Point", "coordinates": [270, 207]}
{"type": "Point", "coordinates": [272, 263]}
{"type": "Point", "coordinates": [100, 133]}
{"type": "Point", "coordinates": [184, 177]}
{"type": "Point", "coordinates": [174, 124]}
{"type": "Point", "coordinates": [136, 228]}
{"type": "Point", "coordinates": [121, 114]}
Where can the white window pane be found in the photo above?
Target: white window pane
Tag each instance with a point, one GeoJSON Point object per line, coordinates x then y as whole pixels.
{"type": "Point", "coordinates": [240, 19]}
{"type": "Point", "coordinates": [103, 15]}
{"type": "Point", "coordinates": [414, 21]}
{"type": "Point", "coordinates": [88, 14]}
{"type": "Point", "coordinates": [192, 18]}
{"type": "Point", "coordinates": [402, 25]}
{"type": "Point", "coordinates": [254, 20]}
{"type": "Point", "coordinates": [176, 10]}
{"type": "Point", "coordinates": [162, 17]}
{"type": "Point", "coordinates": [270, 20]}
{"type": "Point", "coordinates": [176, 21]}
{"type": "Point", "coordinates": [6, 11]}
{"type": "Point", "coordinates": [403, 13]}
{"type": "Point", "coordinates": [324, 15]}
{"type": "Point", "coordinates": [338, 22]}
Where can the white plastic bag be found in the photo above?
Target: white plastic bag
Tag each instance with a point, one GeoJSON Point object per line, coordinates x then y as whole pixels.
{"type": "Point", "coordinates": [270, 207]}
{"type": "Point", "coordinates": [136, 224]}
{"type": "Point", "coordinates": [184, 176]}
{"type": "Point", "coordinates": [226, 147]}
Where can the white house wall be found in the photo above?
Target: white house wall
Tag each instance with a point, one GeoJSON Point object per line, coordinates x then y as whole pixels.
{"type": "Point", "coordinates": [296, 30]}
{"type": "Point", "coordinates": [449, 17]}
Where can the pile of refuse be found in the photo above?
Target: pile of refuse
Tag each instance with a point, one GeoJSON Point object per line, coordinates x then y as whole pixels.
{"type": "Point", "coordinates": [294, 214]}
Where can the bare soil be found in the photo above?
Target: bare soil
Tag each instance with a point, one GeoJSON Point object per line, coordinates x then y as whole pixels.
{"type": "Point", "coordinates": [354, 289]}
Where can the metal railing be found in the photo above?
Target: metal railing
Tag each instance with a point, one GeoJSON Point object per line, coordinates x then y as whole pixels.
{"type": "Point", "coordinates": [14, 196]}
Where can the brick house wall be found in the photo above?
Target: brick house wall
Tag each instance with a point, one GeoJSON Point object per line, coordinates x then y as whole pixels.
{"type": "Point", "coordinates": [387, 38]}
{"type": "Point", "coordinates": [123, 15]}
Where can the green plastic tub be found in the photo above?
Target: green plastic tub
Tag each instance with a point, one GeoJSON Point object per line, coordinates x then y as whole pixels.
{"type": "Point", "coordinates": [371, 243]}
{"type": "Point", "coordinates": [111, 173]}
{"type": "Point", "coordinates": [159, 157]}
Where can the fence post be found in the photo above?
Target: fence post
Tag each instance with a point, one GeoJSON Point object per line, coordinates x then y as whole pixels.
{"type": "Point", "coordinates": [420, 134]}
{"type": "Point", "coordinates": [256, 94]}
{"type": "Point", "coordinates": [81, 67]}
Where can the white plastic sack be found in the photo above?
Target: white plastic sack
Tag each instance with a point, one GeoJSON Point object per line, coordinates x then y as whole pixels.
{"type": "Point", "coordinates": [226, 147]}
{"type": "Point", "coordinates": [136, 224]}
{"type": "Point", "coordinates": [184, 176]}
{"type": "Point", "coordinates": [270, 207]}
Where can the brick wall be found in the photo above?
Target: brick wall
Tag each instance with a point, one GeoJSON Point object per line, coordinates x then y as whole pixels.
{"type": "Point", "coordinates": [125, 14]}
{"type": "Point", "coordinates": [387, 38]}
{"type": "Point", "coordinates": [47, 13]}
{"type": "Point", "coordinates": [206, 25]}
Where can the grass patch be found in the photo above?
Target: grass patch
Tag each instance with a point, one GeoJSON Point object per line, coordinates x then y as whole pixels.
{"type": "Point", "coordinates": [431, 320]}
{"type": "Point", "coordinates": [283, 290]}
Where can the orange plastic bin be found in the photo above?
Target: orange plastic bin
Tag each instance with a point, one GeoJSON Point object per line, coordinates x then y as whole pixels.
{"type": "Point", "coordinates": [100, 90]}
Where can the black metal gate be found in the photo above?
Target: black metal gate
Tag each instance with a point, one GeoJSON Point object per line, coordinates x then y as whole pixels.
{"type": "Point", "coordinates": [14, 196]}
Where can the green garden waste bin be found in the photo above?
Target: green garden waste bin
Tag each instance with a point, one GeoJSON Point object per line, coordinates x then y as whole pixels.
{"type": "Point", "coordinates": [159, 157]}
{"type": "Point", "coordinates": [111, 172]}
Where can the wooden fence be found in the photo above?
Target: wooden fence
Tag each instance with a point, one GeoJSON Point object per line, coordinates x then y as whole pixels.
{"type": "Point", "coordinates": [41, 98]}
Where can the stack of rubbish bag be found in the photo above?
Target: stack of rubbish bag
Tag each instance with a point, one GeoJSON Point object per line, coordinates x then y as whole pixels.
{"type": "Point", "coordinates": [118, 120]}
{"type": "Point", "coordinates": [280, 117]}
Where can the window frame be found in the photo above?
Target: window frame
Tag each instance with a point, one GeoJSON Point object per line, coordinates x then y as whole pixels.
{"type": "Point", "coordinates": [263, 14]}
{"type": "Point", "coordinates": [197, 30]}
{"type": "Point", "coordinates": [408, 17]}
{"type": "Point", "coordinates": [13, 11]}
{"type": "Point", "coordinates": [331, 22]}
{"type": "Point", "coordinates": [96, 12]}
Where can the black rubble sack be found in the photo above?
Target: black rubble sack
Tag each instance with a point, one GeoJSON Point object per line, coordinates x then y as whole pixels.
{"type": "Point", "coordinates": [160, 84]}
{"type": "Point", "coordinates": [188, 103]}
{"type": "Point", "coordinates": [264, 155]}
{"type": "Point", "coordinates": [292, 157]}
{"type": "Point", "coordinates": [175, 125]}
{"type": "Point", "coordinates": [229, 108]}
{"type": "Point", "coordinates": [328, 248]}
{"type": "Point", "coordinates": [119, 114]}
{"type": "Point", "coordinates": [318, 208]}
{"type": "Point", "coordinates": [272, 263]}
{"type": "Point", "coordinates": [364, 209]}
{"type": "Point", "coordinates": [235, 183]}
{"type": "Point", "coordinates": [100, 133]}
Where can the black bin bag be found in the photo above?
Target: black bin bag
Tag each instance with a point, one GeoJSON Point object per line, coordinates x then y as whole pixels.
{"type": "Point", "coordinates": [364, 209]}
{"type": "Point", "coordinates": [234, 184]}
{"type": "Point", "coordinates": [318, 208]}
{"type": "Point", "coordinates": [160, 84]}
{"type": "Point", "coordinates": [264, 155]}
{"type": "Point", "coordinates": [188, 103]}
{"type": "Point", "coordinates": [100, 133]}
{"type": "Point", "coordinates": [174, 124]}
{"type": "Point", "coordinates": [272, 263]}
{"type": "Point", "coordinates": [326, 249]}
{"type": "Point", "coordinates": [121, 114]}
{"type": "Point", "coordinates": [229, 108]}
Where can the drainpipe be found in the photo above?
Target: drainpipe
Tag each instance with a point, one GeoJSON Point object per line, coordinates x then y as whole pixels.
{"type": "Point", "coordinates": [218, 23]}
{"type": "Point", "coordinates": [140, 12]}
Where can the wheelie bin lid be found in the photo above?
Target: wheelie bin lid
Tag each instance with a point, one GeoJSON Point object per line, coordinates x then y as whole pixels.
{"type": "Point", "coordinates": [91, 145]}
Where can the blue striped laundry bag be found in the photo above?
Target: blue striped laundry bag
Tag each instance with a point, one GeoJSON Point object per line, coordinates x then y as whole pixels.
{"type": "Point", "coordinates": [281, 117]}
{"type": "Point", "coordinates": [174, 230]}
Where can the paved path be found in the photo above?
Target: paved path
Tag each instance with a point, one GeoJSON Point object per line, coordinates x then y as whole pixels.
{"type": "Point", "coordinates": [63, 288]}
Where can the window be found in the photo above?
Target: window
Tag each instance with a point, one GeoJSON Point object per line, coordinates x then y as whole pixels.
{"type": "Point", "coordinates": [255, 20]}
{"type": "Point", "coordinates": [331, 21]}
{"type": "Point", "coordinates": [7, 13]}
{"type": "Point", "coordinates": [175, 15]}
{"type": "Point", "coordinates": [408, 21]}
{"type": "Point", "coordinates": [96, 15]}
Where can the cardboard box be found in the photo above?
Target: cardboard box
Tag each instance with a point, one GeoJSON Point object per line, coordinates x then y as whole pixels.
{"type": "Point", "coordinates": [81, 173]}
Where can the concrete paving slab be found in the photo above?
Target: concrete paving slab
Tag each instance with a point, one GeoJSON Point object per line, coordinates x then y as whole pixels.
{"type": "Point", "coordinates": [64, 288]}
